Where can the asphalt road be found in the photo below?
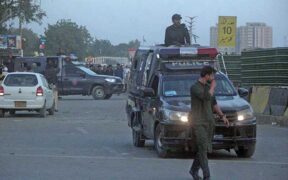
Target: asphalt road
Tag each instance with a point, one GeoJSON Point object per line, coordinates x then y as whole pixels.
{"type": "Point", "coordinates": [90, 139]}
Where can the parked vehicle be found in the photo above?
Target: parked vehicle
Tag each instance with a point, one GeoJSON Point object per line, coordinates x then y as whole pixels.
{"type": "Point", "coordinates": [74, 78]}
{"type": "Point", "coordinates": [21, 91]}
{"type": "Point", "coordinates": [159, 101]}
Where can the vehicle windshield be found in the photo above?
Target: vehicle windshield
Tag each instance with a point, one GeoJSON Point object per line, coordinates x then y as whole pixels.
{"type": "Point", "coordinates": [21, 80]}
{"type": "Point", "coordinates": [86, 70]}
{"type": "Point", "coordinates": [179, 86]}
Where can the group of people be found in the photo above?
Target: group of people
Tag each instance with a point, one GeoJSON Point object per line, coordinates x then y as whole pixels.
{"type": "Point", "coordinates": [119, 71]}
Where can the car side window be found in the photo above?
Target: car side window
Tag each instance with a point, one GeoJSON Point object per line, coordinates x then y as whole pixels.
{"type": "Point", "coordinates": [147, 69]}
{"type": "Point", "coordinates": [155, 84]}
{"type": "Point", "coordinates": [72, 71]}
{"type": "Point", "coordinates": [45, 83]}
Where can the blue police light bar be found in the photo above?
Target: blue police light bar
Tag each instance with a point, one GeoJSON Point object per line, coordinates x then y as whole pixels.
{"type": "Point", "coordinates": [188, 52]}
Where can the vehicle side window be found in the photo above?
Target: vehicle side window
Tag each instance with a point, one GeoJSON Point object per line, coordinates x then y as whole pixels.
{"type": "Point", "coordinates": [155, 84]}
{"type": "Point", "coordinates": [140, 70]}
{"type": "Point", "coordinates": [45, 83]}
{"type": "Point", "coordinates": [72, 71]}
{"type": "Point", "coordinates": [147, 69]}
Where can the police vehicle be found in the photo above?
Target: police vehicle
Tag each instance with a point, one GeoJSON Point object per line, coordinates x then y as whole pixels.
{"type": "Point", "coordinates": [159, 101]}
{"type": "Point", "coordinates": [74, 78]}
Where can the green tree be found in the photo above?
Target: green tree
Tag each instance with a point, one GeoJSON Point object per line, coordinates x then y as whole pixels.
{"type": "Point", "coordinates": [26, 11]}
{"type": "Point", "coordinates": [69, 37]}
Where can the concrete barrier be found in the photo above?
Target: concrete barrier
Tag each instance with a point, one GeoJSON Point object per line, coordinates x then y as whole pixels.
{"type": "Point", "coordinates": [259, 98]}
{"type": "Point", "coordinates": [277, 103]}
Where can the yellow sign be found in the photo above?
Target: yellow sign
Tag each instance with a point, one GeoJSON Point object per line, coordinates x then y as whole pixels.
{"type": "Point", "coordinates": [227, 31]}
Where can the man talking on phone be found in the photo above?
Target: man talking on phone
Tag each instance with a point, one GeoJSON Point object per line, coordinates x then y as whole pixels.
{"type": "Point", "coordinates": [203, 103]}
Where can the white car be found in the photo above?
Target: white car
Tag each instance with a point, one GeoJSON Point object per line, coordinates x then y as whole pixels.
{"type": "Point", "coordinates": [26, 91]}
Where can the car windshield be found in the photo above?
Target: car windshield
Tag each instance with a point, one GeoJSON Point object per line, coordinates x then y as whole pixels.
{"type": "Point", "coordinates": [22, 80]}
{"type": "Point", "coordinates": [179, 86]}
{"type": "Point", "coordinates": [86, 70]}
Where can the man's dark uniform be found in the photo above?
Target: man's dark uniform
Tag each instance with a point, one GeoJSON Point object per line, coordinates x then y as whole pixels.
{"type": "Point", "coordinates": [177, 35]}
{"type": "Point", "coordinates": [203, 124]}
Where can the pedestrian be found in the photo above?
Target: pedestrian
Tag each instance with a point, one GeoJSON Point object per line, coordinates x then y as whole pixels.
{"type": "Point", "coordinates": [109, 70]}
{"type": "Point", "coordinates": [51, 75]}
{"type": "Point", "coordinates": [203, 103]}
{"type": "Point", "coordinates": [177, 34]}
{"type": "Point", "coordinates": [119, 71]}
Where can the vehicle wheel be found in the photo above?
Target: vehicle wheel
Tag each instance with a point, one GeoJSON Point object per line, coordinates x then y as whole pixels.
{"type": "Point", "coordinates": [138, 141]}
{"type": "Point", "coordinates": [42, 111]}
{"type": "Point", "coordinates": [52, 109]}
{"type": "Point", "coordinates": [108, 96]}
{"type": "Point", "coordinates": [12, 112]}
{"type": "Point", "coordinates": [2, 113]}
{"type": "Point", "coordinates": [245, 152]}
{"type": "Point", "coordinates": [98, 93]}
{"type": "Point", "coordinates": [159, 147]}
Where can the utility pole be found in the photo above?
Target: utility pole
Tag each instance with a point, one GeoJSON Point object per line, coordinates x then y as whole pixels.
{"type": "Point", "coordinates": [190, 29]}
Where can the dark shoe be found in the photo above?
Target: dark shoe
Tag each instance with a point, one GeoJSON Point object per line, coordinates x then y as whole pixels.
{"type": "Point", "coordinates": [195, 175]}
{"type": "Point", "coordinates": [56, 110]}
{"type": "Point", "coordinates": [207, 178]}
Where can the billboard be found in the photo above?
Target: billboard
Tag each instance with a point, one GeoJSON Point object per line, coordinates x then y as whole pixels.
{"type": "Point", "coordinates": [10, 41]}
{"type": "Point", "coordinates": [227, 26]}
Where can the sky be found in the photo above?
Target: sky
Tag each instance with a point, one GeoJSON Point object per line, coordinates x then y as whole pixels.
{"type": "Point", "coordinates": [123, 20]}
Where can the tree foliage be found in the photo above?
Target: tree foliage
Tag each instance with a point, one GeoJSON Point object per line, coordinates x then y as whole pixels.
{"type": "Point", "coordinates": [72, 38]}
{"type": "Point", "coordinates": [69, 37]}
{"type": "Point", "coordinates": [26, 11]}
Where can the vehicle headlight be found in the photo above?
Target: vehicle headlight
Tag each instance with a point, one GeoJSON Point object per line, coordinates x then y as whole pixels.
{"type": "Point", "coordinates": [245, 114]}
{"type": "Point", "coordinates": [176, 115]}
{"type": "Point", "coordinates": [111, 80]}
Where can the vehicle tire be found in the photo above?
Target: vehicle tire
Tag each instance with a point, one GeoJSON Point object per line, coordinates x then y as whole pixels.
{"type": "Point", "coordinates": [138, 141]}
{"type": "Point", "coordinates": [52, 109]}
{"type": "Point", "coordinates": [43, 110]}
{"type": "Point", "coordinates": [98, 93]}
{"type": "Point", "coordinates": [2, 113]}
{"type": "Point", "coordinates": [12, 112]}
{"type": "Point", "coordinates": [245, 152]}
{"type": "Point", "coordinates": [108, 96]}
{"type": "Point", "coordinates": [159, 147]}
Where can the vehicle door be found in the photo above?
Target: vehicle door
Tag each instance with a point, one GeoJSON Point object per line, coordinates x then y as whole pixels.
{"type": "Point", "coordinates": [48, 92]}
{"type": "Point", "coordinates": [73, 80]}
{"type": "Point", "coordinates": [149, 102]}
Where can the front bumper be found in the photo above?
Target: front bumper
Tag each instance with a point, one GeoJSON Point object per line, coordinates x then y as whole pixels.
{"type": "Point", "coordinates": [114, 88]}
{"type": "Point", "coordinates": [180, 135]}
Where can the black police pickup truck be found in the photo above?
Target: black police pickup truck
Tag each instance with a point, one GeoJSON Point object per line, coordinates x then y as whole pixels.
{"type": "Point", "coordinates": [159, 101]}
{"type": "Point", "coordinates": [74, 78]}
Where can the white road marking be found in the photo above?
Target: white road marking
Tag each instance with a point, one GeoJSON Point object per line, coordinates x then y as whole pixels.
{"type": "Point", "coordinates": [137, 158]}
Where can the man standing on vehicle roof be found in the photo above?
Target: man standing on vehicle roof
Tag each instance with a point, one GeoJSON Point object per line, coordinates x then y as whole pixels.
{"type": "Point", "coordinates": [203, 103]}
{"type": "Point", "coordinates": [177, 33]}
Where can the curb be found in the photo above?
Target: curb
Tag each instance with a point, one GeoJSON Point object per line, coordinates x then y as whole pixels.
{"type": "Point", "coordinates": [272, 120]}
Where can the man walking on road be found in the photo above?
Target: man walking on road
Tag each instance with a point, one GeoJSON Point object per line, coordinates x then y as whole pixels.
{"type": "Point", "coordinates": [177, 34]}
{"type": "Point", "coordinates": [50, 73]}
{"type": "Point", "coordinates": [203, 103]}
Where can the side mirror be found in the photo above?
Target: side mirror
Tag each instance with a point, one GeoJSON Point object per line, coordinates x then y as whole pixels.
{"type": "Point", "coordinates": [147, 92]}
{"type": "Point", "coordinates": [243, 92]}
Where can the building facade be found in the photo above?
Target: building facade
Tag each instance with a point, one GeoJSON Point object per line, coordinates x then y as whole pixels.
{"type": "Point", "coordinates": [251, 36]}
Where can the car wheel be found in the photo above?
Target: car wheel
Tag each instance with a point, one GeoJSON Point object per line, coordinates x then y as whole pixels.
{"type": "Point", "coordinates": [159, 147]}
{"type": "Point", "coordinates": [12, 112]}
{"type": "Point", "coordinates": [245, 152]}
{"type": "Point", "coordinates": [108, 96]}
{"type": "Point", "coordinates": [52, 109]}
{"type": "Point", "coordinates": [43, 110]}
{"type": "Point", "coordinates": [138, 141]}
{"type": "Point", "coordinates": [2, 113]}
{"type": "Point", "coordinates": [98, 93]}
